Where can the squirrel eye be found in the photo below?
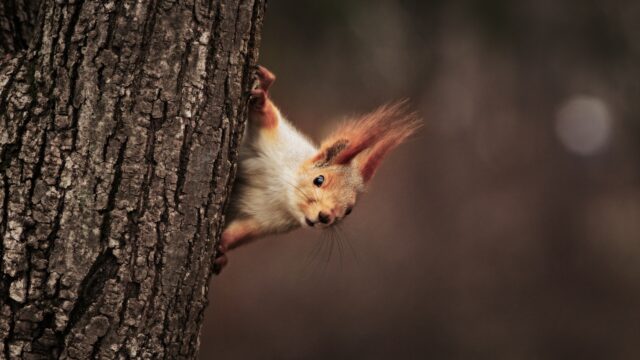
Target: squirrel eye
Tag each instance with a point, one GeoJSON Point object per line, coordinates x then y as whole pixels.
{"type": "Point", "coordinates": [349, 210]}
{"type": "Point", "coordinates": [318, 181]}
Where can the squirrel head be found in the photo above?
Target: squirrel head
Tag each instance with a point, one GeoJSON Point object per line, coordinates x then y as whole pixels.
{"type": "Point", "coordinates": [329, 183]}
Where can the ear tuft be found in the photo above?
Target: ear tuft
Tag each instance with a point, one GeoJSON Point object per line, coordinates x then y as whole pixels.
{"type": "Point", "coordinates": [327, 154]}
{"type": "Point", "coordinates": [371, 135]}
{"type": "Point", "coordinates": [400, 129]}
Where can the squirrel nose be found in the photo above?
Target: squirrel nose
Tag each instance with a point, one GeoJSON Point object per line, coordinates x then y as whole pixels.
{"type": "Point", "coordinates": [324, 218]}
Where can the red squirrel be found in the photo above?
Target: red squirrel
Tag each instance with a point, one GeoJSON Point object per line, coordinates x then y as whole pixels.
{"type": "Point", "coordinates": [285, 181]}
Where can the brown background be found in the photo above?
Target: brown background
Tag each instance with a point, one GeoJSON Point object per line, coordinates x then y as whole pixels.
{"type": "Point", "coordinates": [485, 237]}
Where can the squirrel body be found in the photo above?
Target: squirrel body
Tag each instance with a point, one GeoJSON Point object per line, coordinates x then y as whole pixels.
{"type": "Point", "coordinates": [285, 181]}
{"type": "Point", "coordinates": [269, 163]}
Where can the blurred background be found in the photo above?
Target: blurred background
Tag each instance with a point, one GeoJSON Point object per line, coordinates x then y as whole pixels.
{"type": "Point", "coordinates": [508, 228]}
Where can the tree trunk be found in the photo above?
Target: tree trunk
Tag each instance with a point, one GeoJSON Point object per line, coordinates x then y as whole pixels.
{"type": "Point", "coordinates": [17, 18]}
{"type": "Point", "coordinates": [118, 134]}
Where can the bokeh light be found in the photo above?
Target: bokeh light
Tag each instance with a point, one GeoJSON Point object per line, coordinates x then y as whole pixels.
{"type": "Point", "coordinates": [584, 124]}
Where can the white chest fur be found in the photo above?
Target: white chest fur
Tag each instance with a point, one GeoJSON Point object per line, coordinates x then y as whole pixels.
{"type": "Point", "coordinates": [268, 171]}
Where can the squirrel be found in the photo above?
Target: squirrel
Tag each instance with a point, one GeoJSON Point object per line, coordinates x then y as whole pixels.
{"type": "Point", "coordinates": [285, 181]}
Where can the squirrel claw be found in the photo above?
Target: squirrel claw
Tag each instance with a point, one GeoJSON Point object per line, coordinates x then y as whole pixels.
{"type": "Point", "coordinates": [265, 78]}
{"type": "Point", "coordinates": [221, 259]}
{"type": "Point", "coordinates": [258, 99]}
{"type": "Point", "coordinates": [260, 92]}
{"type": "Point", "coordinates": [219, 264]}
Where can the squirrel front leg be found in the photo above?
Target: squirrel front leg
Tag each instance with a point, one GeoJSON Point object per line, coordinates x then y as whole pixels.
{"type": "Point", "coordinates": [239, 232]}
{"type": "Point", "coordinates": [264, 114]}
{"type": "Point", "coordinates": [262, 111]}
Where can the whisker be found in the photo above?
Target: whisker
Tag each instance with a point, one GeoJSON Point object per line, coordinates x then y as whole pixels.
{"type": "Point", "coordinates": [329, 251]}
{"type": "Point", "coordinates": [305, 194]}
{"type": "Point", "coordinates": [312, 256]}
{"type": "Point", "coordinates": [347, 241]}
{"type": "Point", "coordinates": [296, 187]}
{"type": "Point", "coordinates": [336, 236]}
{"type": "Point", "coordinates": [300, 191]}
{"type": "Point", "coordinates": [318, 196]}
{"type": "Point", "coordinates": [319, 259]}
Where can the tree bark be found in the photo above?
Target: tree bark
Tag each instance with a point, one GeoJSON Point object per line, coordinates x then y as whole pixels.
{"type": "Point", "coordinates": [17, 20]}
{"type": "Point", "coordinates": [118, 134]}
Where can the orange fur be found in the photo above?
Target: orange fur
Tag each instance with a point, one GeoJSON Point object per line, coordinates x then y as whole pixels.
{"type": "Point", "coordinates": [263, 111]}
{"type": "Point", "coordinates": [237, 233]}
{"type": "Point", "coordinates": [267, 115]}
{"type": "Point", "coordinates": [370, 137]}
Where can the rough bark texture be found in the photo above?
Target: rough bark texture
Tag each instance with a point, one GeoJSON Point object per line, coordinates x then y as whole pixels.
{"type": "Point", "coordinates": [118, 134]}
{"type": "Point", "coordinates": [17, 19]}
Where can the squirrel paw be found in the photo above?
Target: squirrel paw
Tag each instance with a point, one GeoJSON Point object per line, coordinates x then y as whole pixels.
{"type": "Point", "coordinates": [258, 99]}
{"type": "Point", "coordinates": [221, 259]}
{"type": "Point", "coordinates": [264, 78]}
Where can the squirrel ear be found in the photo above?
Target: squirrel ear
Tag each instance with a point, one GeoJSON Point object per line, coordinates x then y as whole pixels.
{"type": "Point", "coordinates": [342, 151]}
{"type": "Point", "coordinates": [329, 152]}
{"type": "Point", "coordinates": [373, 134]}
{"type": "Point", "coordinates": [369, 161]}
